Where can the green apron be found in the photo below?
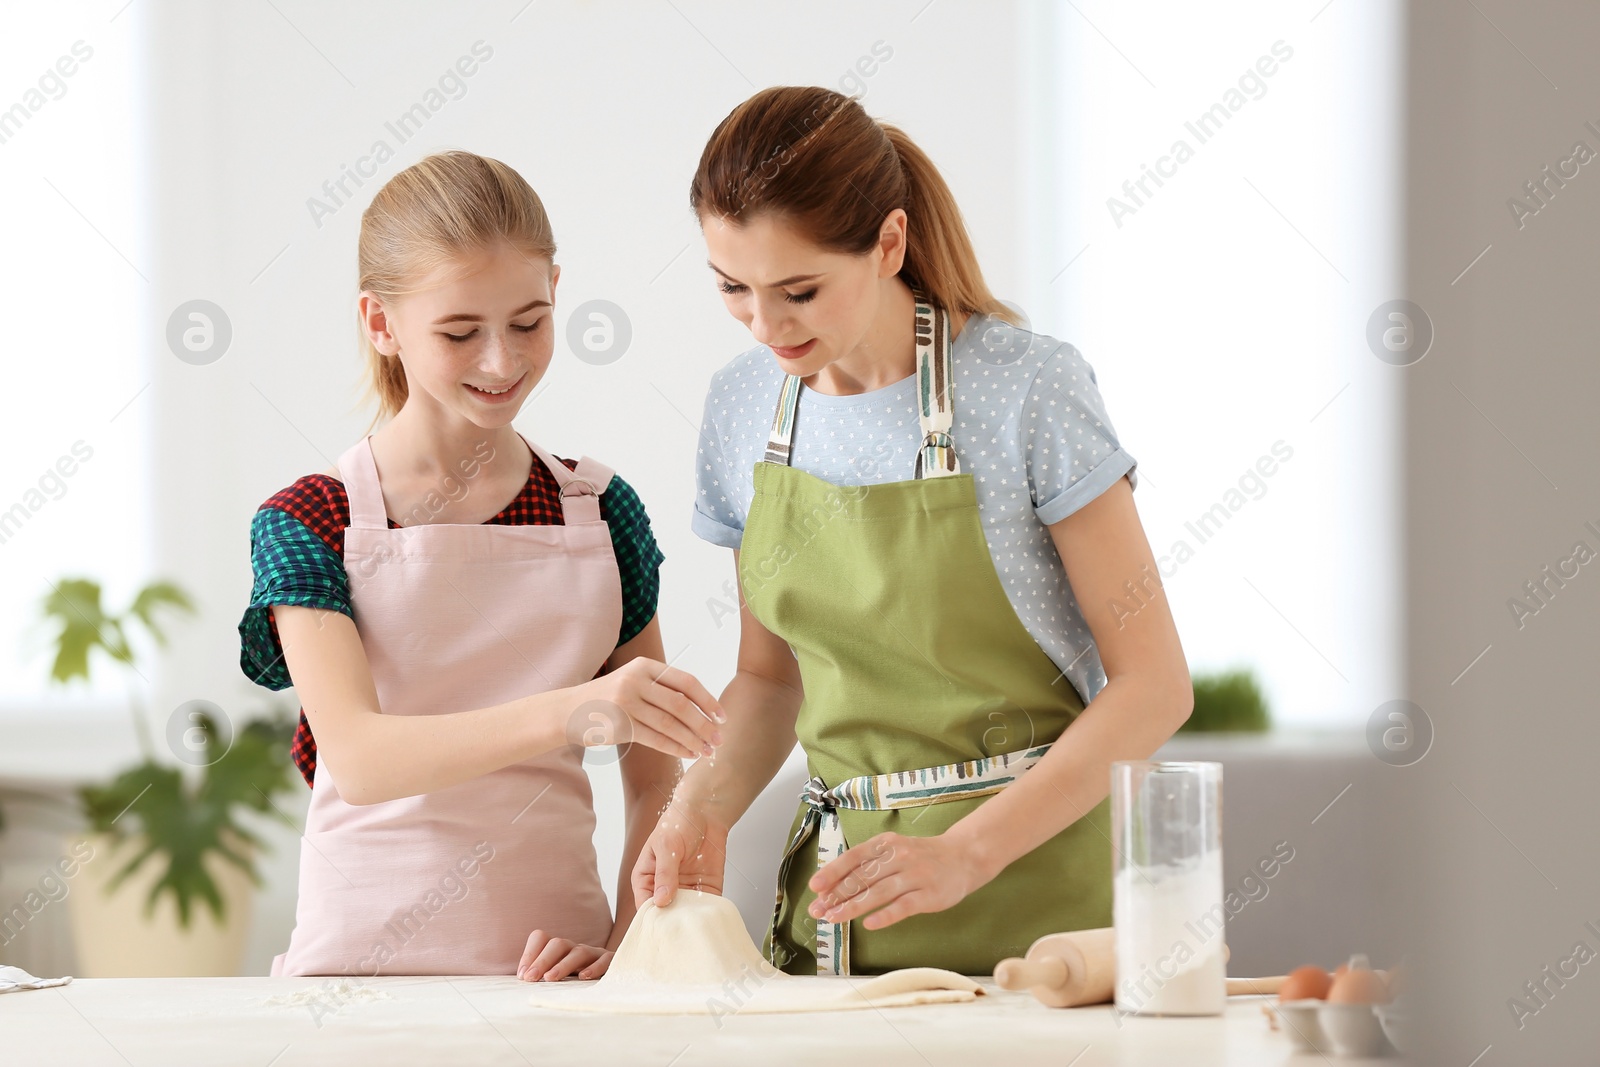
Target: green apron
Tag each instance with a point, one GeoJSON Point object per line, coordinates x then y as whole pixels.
{"type": "Point", "coordinates": [924, 693]}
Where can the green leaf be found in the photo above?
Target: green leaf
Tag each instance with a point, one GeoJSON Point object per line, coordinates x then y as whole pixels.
{"type": "Point", "coordinates": [74, 604]}
{"type": "Point", "coordinates": [154, 596]}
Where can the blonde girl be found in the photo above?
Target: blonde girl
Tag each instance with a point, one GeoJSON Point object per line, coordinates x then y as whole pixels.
{"type": "Point", "coordinates": [461, 612]}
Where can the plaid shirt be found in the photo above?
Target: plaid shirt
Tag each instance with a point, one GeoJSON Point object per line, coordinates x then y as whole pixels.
{"type": "Point", "coordinates": [297, 553]}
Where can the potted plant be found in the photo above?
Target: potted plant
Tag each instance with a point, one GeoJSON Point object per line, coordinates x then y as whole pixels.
{"type": "Point", "coordinates": [1228, 702]}
{"type": "Point", "coordinates": [164, 835]}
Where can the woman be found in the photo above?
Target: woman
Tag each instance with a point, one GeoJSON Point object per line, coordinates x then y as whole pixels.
{"type": "Point", "coordinates": [934, 532]}
{"type": "Point", "coordinates": [460, 612]}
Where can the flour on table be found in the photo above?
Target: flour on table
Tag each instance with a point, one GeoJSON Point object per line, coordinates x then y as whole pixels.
{"type": "Point", "coordinates": [329, 996]}
{"type": "Point", "coordinates": [694, 957]}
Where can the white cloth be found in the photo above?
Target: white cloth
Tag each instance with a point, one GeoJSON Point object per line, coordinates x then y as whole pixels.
{"type": "Point", "coordinates": [14, 979]}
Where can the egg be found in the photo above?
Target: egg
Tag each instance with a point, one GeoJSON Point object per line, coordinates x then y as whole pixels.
{"type": "Point", "coordinates": [1305, 983]}
{"type": "Point", "coordinates": [1358, 985]}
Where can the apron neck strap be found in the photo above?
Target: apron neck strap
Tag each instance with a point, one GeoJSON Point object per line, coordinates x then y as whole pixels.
{"type": "Point", "coordinates": [935, 398]}
{"type": "Point", "coordinates": [360, 475]}
{"type": "Point", "coordinates": [580, 489]}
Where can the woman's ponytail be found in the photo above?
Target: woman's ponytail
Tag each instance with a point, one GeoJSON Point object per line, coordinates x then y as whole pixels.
{"type": "Point", "coordinates": [814, 157]}
{"type": "Point", "coordinates": [940, 259]}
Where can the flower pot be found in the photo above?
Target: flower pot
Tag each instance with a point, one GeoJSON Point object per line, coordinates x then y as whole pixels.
{"type": "Point", "coordinates": [114, 938]}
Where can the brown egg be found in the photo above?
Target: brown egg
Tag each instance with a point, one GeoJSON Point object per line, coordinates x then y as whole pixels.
{"type": "Point", "coordinates": [1358, 985]}
{"type": "Point", "coordinates": [1308, 982]}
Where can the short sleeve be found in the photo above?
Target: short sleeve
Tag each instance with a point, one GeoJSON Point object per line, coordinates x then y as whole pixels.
{"type": "Point", "coordinates": [639, 558]}
{"type": "Point", "coordinates": [1070, 448]}
{"type": "Point", "coordinates": [292, 565]}
{"type": "Point", "coordinates": [716, 514]}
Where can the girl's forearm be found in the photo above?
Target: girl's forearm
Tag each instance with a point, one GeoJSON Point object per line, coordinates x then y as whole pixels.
{"type": "Point", "coordinates": [756, 740]}
{"type": "Point", "coordinates": [377, 757]}
{"type": "Point", "coordinates": [1128, 720]}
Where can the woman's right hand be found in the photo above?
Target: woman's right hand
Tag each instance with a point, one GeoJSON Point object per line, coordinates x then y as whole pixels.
{"type": "Point", "coordinates": [686, 850]}
{"type": "Point", "coordinates": [660, 707]}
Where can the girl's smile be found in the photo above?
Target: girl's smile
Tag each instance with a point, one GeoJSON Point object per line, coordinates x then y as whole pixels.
{"type": "Point", "coordinates": [503, 394]}
{"type": "Point", "coordinates": [474, 336]}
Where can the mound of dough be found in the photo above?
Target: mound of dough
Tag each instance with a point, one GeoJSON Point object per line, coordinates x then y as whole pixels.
{"type": "Point", "coordinates": [694, 957]}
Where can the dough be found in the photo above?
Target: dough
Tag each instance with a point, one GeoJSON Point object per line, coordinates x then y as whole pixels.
{"type": "Point", "coordinates": [694, 957]}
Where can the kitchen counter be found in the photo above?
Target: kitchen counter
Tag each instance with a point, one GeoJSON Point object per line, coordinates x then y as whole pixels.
{"type": "Point", "coordinates": [222, 1022]}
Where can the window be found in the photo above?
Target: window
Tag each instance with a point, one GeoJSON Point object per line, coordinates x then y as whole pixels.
{"type": "Point", "coordinates": [74, 485]}
{"type": "Point", "coordinates": [1220, 220]}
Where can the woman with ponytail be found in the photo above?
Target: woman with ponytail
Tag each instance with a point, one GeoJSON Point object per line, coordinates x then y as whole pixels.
{"type": "Point", "coordinates": [935, 538]}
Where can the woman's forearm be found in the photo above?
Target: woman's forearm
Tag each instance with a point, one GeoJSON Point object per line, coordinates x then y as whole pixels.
{"type": "Point", "coordinates": [756, 740]}
{"type": "Point", "coordinates": [648, 779]}
{"type": "Point", "coordinates": [1128, 720]}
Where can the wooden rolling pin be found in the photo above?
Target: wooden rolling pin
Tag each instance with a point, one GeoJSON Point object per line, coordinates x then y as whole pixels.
{"type": "Point", "coordinates": [1080, 967]}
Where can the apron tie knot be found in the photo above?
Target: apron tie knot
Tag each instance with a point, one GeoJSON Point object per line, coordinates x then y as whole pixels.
{"type": "Point", "coordinates": [817, 796]}
{"type": "Point", "coordinates": [881, 792]}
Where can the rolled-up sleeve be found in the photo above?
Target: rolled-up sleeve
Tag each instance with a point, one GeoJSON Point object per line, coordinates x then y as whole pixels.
{"type": "Point", "coordinates": [1069, 445]}
{"type": "Point", "coordinates": [292, 565]}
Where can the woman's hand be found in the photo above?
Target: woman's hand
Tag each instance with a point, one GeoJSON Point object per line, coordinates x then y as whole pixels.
{"type": "Point", "coordinates": [550, 959]}
{"type": "Point", "coordinates": [890, 877]}
{"type": "Point", "coordinates": [646, 702]}
{"type": "Point", "coordinates": [686, 850]}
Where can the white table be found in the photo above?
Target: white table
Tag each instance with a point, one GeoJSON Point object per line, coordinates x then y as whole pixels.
{"type": "Point", "coordinates": [225, 1022]}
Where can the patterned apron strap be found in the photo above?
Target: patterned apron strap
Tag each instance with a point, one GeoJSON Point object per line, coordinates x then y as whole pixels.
{"type": "Point", "coordinates": [935, 399]}
{"type": "Point", "coordinates": [935, 392]}
{"type": "Point", "coordinates": [781, 439]}
{"type": "Point", "coordinates": [883, 792]}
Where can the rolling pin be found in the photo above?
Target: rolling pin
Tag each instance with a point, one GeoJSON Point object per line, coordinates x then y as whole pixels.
{"type": "Point", "coordinates": [1080, 967]}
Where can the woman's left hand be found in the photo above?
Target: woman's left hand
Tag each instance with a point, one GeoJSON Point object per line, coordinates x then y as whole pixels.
{"type": "Point", "coordinates": [890, 877]}
{"type": "Point", "coordinates": [550, 959]}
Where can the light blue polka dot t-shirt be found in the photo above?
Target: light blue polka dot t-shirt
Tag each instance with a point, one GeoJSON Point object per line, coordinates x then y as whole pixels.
{"type": "Point", "coordinates": [1029, 426]}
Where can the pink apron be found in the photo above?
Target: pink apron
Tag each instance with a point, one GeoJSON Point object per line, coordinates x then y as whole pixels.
{"type": "Point", "coordinates": [456, 617]}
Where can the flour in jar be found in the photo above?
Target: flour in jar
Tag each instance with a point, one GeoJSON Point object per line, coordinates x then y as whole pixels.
{"type": "Point", "coordinates": [1169, 935]}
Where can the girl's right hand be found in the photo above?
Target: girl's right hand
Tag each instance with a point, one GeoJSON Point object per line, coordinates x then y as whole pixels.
{"type": "Point", "coordinates": [686, 850]}
{"type": "Point", "coordinates": [660, 706]}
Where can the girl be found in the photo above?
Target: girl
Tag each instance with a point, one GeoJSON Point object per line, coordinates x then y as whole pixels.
{"type": "Point", "coordinates": [935, 538]}
{"type": "Point", "coordinates": [460, 612]}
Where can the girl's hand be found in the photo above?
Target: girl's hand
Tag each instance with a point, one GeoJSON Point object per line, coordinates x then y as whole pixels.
{"type": "Point", "coordinates": [649, 703]}
{"type": "Point", "coordinates": [550, 959]}
{"type": "Point", "coordinates": [686, 850]}
{"type": "Point", "coordinates": [890, 877]}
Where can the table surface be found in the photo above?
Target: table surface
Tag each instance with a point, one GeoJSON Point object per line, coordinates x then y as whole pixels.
{"type": "Point", "coordinates": [220, 1022]}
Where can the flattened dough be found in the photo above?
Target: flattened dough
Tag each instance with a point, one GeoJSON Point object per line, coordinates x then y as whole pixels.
{"type": "Point", "coordinates": [694, 957]}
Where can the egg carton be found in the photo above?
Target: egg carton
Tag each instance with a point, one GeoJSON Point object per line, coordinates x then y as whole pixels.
{"type": "Point", "coordinates": [1342, 1029]}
